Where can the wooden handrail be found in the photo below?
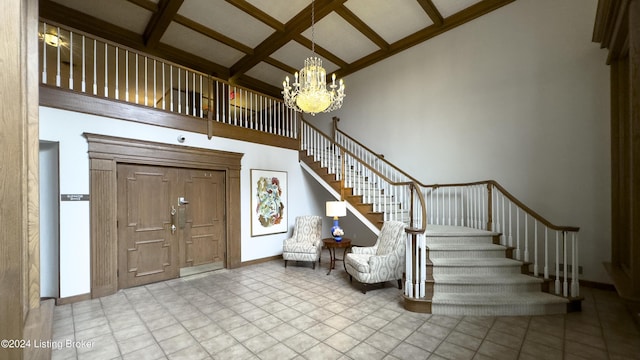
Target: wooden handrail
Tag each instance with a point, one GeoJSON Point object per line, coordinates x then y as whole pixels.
{"type": "Point", "coordinates": [413, 186]}
{"type": "Point", "coordinates": [513, 199]}
{"type": "Point", "coordinates": [343, 150]}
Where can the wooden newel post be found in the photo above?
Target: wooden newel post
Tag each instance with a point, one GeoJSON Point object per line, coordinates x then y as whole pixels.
{"type": "Point", "coordinates": [334, 129]}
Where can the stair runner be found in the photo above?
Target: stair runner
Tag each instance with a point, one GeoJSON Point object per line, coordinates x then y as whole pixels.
{"type": "Point", "coordinates": [473, 276]}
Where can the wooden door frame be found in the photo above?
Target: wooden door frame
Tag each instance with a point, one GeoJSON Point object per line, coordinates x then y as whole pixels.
{"type": "Point", "coordinates": [105, 152]}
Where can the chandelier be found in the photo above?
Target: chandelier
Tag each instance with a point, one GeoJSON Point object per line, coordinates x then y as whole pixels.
{"type": "Point", "coordinates": [308, 93]}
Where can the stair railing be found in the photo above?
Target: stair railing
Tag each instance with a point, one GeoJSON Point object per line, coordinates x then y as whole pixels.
{"type": "Point", "coordinates": [397, 200]}
{"type": "Point", "coordinates": [550, 250]}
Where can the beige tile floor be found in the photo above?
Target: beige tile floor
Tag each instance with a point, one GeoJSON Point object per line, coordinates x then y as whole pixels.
{"type": "Point", "coordinates": [265, 311]}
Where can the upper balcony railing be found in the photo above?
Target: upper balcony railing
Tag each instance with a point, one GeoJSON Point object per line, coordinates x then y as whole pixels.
{"type": "Point", "coordinates": [83, 63]}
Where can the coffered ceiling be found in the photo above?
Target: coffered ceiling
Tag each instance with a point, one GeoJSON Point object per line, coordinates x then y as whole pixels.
{"type": "Point", "coordinates": [256, 43]}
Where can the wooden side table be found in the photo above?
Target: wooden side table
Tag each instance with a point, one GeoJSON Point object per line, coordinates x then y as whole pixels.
{"type": "Point", "coordinates": [332, 245]}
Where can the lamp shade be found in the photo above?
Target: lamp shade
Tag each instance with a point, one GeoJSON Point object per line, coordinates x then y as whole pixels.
{"type": "Point", "coordinates": [336, 208]}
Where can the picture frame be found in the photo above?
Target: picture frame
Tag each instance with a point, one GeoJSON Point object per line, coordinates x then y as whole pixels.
{"type": "Point", "coordinates": [269, 206]}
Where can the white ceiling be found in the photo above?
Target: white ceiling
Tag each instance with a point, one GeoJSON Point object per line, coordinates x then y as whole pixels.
{"type": "Point", "coordinates": [256, 43]}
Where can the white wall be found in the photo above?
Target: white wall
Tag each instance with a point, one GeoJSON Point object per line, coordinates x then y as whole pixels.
{"type": "Point", "coordinates": [520, 95]}
{"type": "Point", "coordinates": [67, 127]}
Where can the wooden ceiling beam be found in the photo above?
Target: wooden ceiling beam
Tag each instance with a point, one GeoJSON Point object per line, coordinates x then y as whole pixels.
{"type": "Point", "coordinates": [212, 34]}
{"type": "Point", "coordinates": [360, 25]}
{"type": "Point", "coordinates": [293, 27]}
{"type": "Point", "coordinates": [160, 21]}
{"type": "Point", "coordinates": [57, 13]}
{"type": "Point", "coordinates": [258, 14]}
{"type": "Point", "coordinates": [453, 21]}
{"type": "Point", "coordinates": [145, 4]}
{"type": "Point", "coordinates": [432, 11]}
{"type": "Point", "coordinates": [320, 51]}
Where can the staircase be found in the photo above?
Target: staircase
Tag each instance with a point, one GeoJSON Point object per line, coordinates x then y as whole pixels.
{"type": "Point", "coordinates": [473, 275]}
{"type": "Point", "coordinates": [458, 266]}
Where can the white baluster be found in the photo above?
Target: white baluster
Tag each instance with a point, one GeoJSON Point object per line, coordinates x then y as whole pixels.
{"type": "Point", "coordinates": [409, 262]}
{"type": "Point", "coordinates": [449, 201]}
{"type": "Point", "coordinates": [95, 68]}
{"type": "Point", "coordinates": [58, 59]}
{"type": "Point", "coordinates": [510, 227]}
{"type": "Point", "coordinates": [423, 264]}
{"type": "Point", "coordinates": [455, 204]}
{"type": "Point", "coordinates": [117, 91]}
{"type": "Point", "coordinates": [84, 61]}
{"type": "Point", "coordinates": [106, 70]}
{"type": "Point", "coordinates": [164, 89]}
{"type": "Point", "coordinates": [526, 237]}
{"type": "Point", "coordinates": [535, 248]}
{"type": "Point", "coordinates": [138, 81]}
{"type": "Point", "coordinates": [187, 108]}
{"type": "Point", "coordinates": [44, 54]}
{"type": "Point", "coordinates": [518, 233]}
{"type": "Point", "coordinates": [576, 254]}
{"type": "Point", "coordinates": [565, 284]}
{"type": "Point", "coordinates": [126, 76]}
{"type": "Point", "coordinates": [70, 60]}
{"type": "Point", "coordinates": [504, 225]}
{"type": "Point", "coordinates": [557, 265]}
{"type": "Point", "coordinates": [546, 253]}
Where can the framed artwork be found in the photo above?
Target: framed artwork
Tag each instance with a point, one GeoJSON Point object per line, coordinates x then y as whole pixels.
{"type": "Point", "coordinates": [268, 202]}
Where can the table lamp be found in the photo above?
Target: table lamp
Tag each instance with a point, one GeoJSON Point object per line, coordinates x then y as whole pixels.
{"type": "Point", "coordinates": [336, 209]}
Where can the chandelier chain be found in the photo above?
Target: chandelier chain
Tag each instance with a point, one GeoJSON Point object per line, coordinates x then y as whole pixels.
{"type": "Point", "coordinates": [313, 21]}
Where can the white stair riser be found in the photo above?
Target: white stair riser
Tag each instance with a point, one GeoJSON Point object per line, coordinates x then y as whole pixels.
{"type": "Point", "coordinates": [486, 288]}
{"type": "Point", "coordinates": [497, 310]}
{"type": "Point", "coordinates": [475, 270]}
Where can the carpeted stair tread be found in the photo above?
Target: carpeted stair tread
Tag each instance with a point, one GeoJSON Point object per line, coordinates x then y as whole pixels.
{"type": "Point", "coordinates": [486, 280]}
{"type": "Point", "coordinates": [473, 276]}
{"type": "Point", "coordinates": [456, 231]}
{"type": "Point", "coordinates": [465, 247]}
{"type": "Point", "coordinates": [475, 262]}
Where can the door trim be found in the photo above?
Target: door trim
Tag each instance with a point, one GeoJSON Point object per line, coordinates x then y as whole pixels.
{"type": "Point", "coordinates": [105, 152]}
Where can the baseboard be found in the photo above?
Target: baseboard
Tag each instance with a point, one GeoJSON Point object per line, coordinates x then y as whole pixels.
{"type": "Point", "coordinates": [597, 285]}
{"type": "Point", "coordinates": [73, 299]}
{"type": "Point", "coordinates": [39, 329]}
{"type": "Point", "coordinates": [260, 261]}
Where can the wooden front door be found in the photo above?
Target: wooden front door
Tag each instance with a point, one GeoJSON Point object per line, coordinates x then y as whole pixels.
{"type": "Point", "coordinates": [168, 218]}
{"type": "Point", "coordinates": [204, 235]}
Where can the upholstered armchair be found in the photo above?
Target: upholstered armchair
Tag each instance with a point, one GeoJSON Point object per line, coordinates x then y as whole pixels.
{"type": "Point", "coordinates": [381, 262]}
{"type": "Point", "coordinates": [306, 242]}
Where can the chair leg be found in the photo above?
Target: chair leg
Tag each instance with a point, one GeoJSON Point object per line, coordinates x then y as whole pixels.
{"type": "Point", "coordinates": [350, 278]}
{"type": "Point", "coordinates": [313, 265]}
{"type": "Point", "coordinates": [285, 263]}
{"type": "Point", "coordinates": [400, 284]}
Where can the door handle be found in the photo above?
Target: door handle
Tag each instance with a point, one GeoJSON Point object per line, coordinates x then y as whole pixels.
{"type": "Point", "coordinates": [173, 219]}
{"type": "Point", "coordinates": [182, 201]}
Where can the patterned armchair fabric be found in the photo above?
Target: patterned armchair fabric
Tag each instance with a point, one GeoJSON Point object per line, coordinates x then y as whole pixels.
{"type": "Point", "coordinates": [306, 242]}
{"type": "Point", "coordinates": [382, 262]}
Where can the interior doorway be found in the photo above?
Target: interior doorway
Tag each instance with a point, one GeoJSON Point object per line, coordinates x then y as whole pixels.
{"type": "Point", "coordinates": [171, 222]}
{"type": "Point", "coordinates": [49, 219]}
